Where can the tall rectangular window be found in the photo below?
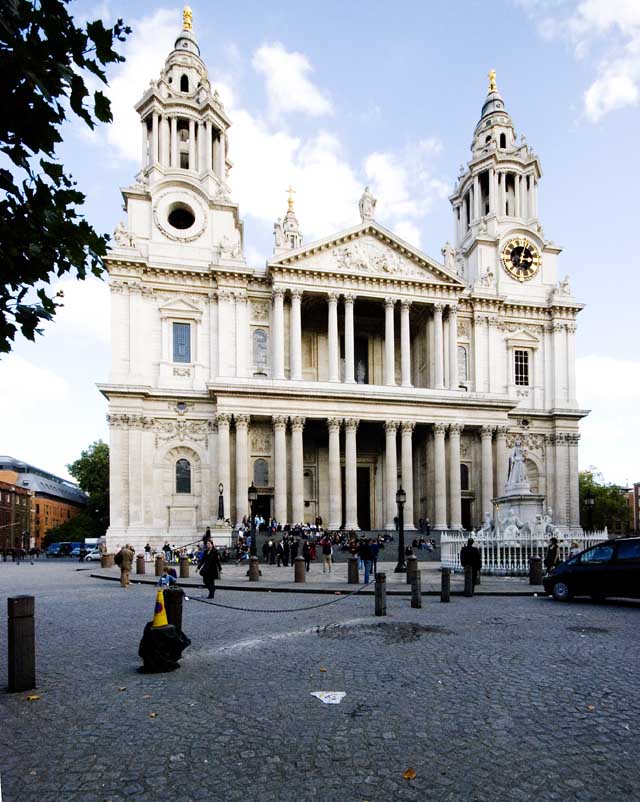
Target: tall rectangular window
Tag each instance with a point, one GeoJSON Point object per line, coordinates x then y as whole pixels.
{"type": "Point", "coordinates": [521, 367]}
{"type": "Point", "coordinates": [182, 342]}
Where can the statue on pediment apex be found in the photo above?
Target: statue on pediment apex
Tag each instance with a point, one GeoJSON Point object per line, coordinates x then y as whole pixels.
{"type": "Point", "coordinates": [367, 205]}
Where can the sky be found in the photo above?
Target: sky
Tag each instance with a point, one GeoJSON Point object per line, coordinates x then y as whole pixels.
{"type": "Point", "coordinates": [331, 96]}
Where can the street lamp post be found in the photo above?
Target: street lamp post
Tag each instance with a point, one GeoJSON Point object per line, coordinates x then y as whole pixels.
{"type": "Point", "coordinates": [401, 498]}
{"type": "Point", "coordinates": [589, 502]}
{"type": "Point", "coordinates": [253, 497]}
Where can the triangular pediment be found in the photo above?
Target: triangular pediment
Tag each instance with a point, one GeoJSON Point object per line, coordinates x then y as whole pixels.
{"type": "Point", "coordinates": [179, 305]}
{"type": "Point", "coordinates": [523, 337]}
{"type": "Point", "coordinates": [367, 249]}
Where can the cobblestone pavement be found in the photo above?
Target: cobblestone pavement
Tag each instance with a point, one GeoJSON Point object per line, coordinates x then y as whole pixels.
{"type": "Point", "coordinates": [487, 699]}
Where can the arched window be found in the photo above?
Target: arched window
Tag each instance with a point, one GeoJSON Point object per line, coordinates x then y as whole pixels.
{"type": "Point", "coordinates": [260, 349]}
{"type": "Point", "coordinates": [464, 476]}
{"type": "Point", "coordinates": [503, 140]}
{"type": "Point", "coordinates": [184, 84]}
{"type": "Point", "coordinates": [463, 365]}
{"type": "Point", "coordinates": [183, 476]}
{"type": "Point", "coordinates": [487, 139]}
{"type": "Point", "coordinates": [533, 476]}
{"type": "Point", "coordinates": [261, 473]}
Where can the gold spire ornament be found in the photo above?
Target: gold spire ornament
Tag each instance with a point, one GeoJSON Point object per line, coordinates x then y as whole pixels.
{"type": "Point", "coordinates": [492, 81]}
{"type": "Point", "coordinates": [291, 192]}
{"type": "Point", "coordinates": [187, 19]}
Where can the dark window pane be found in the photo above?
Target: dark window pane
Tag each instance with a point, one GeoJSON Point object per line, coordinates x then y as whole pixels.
{"type": "Point", "coordinates": [183, 476]}
{"type": "Point", "coordinates": [597, 554]}
{"type": "Point", "coordinates": [629, 551]}
{"type": "Point", "coordinates": [261, 472]}
{"type": "Point", "coordinates": [181, 342]}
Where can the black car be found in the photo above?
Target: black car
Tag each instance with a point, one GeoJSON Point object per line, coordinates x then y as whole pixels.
{"type": "Point", "coordinates": [611, 568]}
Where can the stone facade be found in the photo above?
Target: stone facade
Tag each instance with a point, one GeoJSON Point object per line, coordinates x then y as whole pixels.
{"type": "Point", "coordinates": [344, 367]}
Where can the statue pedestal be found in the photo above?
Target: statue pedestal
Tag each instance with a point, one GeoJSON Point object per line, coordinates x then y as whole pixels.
{"type": "Point", "coordinates": [222, 534]}
{"type": "Point", "coordinates": [526, 506]}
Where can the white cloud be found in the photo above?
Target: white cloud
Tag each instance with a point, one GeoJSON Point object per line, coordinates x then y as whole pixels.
{"type": "Point", "coordinates": [608, 32]}
{"type": "Point", "coordinates": [287, 83]}
{"type": "Point", "coordinates": [611, 433]}
{"type": "Point", "coordinates": [26, 387]}
{"type": "Point", "coordinates": [85, 310]}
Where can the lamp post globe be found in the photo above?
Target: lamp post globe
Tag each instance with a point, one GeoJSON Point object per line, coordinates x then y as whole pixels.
{"type": "Point", "coordinates": [401, 499]}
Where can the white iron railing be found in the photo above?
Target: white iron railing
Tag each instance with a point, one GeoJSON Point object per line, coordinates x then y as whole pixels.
{"type": "Point", "coordinates": [502, 556]}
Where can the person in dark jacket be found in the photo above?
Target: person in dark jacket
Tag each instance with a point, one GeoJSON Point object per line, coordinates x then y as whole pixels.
{"type": "Point", "coordinates": [470, 555]}
{"type": "Point", "coordinates": [210, 567]}
{"type": "Point", "coordinates": [364, 553]}
{"type": "Point", "coordinates": [306, 553]}
{"type": "Point", "coordinates": [294, 550]}
{"type": "Point", "coordinates": [552, 557]}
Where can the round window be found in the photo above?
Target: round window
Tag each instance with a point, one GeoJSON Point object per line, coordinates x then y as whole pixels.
{"type": "Point", "coordinates": [181, 216]}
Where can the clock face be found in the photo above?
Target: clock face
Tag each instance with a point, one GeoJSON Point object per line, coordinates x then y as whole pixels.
{"type": "Point", "coordinates": [521, 259]}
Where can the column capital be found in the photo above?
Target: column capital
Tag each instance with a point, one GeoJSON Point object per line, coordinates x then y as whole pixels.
{"type": "Point", "coordinates": [390, 426]}
{"type": "Point", "coordinates": [334, 424]}
{"type": "Point", "coordinates": [297, 424]}
{"type": "Point", "coordinates": [351, 424]}
{"type": "Point", "coordinates": [277, 292]}
{"type": "Point", "coordinates": [296, 293]}
{"type": "Point", "coordinates": [439, 428]}
{"type": "Point", "coordinates": [332, 297]}
{"type": "Point", "coordinates": [390, 302]}
{"type": "Point", "coordinates": [455, 429]}
{"type": "Point", "coordinates": [223, 419]}
{"type": "Point", "coordinates": [573, 438]}
{"type": "Point", "coordinates": [502, 431]}
{"type": "Point", "coordinates": [438, 308]}
{"type": "Point", "coordinates": [242, 421]}
{"type": "Point", "coordinates": [453, 309]}
{"type": "Point", "coordinates": [279, 422]}
{"type": "Point", "coordinates": [349, 297]}
{"type": "Point", "coordinates": [407, 426]}
{"type": "Point", "coordinates": [241, 300]}
{"type": "Point", "coordinates": [406, 303]}
{"type": "Point", "coordinates": [486, 431]}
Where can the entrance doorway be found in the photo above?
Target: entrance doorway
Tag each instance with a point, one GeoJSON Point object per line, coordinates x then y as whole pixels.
{"type": "Point", "coordinates": [466, 513]}
{"type": "Point", "coordinates": [364, 498]}
{"type": "Point", "coordinates": [263, 506]}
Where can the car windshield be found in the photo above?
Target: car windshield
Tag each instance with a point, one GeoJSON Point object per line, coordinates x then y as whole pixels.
{"type": "Point", "coordinates": [597, 554]}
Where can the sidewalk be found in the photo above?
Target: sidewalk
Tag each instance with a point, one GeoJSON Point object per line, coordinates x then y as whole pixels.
{"type": "Point", "coordinates": [281, 580]}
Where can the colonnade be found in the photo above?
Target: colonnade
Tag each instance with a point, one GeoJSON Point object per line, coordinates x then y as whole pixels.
{"type": "Point", "coordinates": [205, 145]}
{"type": "Point", "coordinates": [288, 507]}
{"type": "Point", "coordinates": [438, 346]}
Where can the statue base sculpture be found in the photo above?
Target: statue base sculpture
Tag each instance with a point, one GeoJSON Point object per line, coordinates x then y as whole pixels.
{"type": "Point", "coordinates": [222, 534]}
{"type": "Point", "coordinates": [527, 507]}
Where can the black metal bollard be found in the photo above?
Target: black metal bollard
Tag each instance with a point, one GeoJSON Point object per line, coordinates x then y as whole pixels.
{"type": "Point", "coordinates": [535, 570]}
{"type": "Point", "coordinates": [381, 594]}
{"type": "Point", "coordinates": [445, 590]}
{"type": "Point", "coordinates": [140, 564]}
{"type": "Point", "coordinates": [412, 567]}
{"type": "Point", "coordinates": [21, 643]}
{"type": "Point", "coordinates": [173, 599]}
{"type": "Point", "coordinates": [353, 577]}
{"type": "Point", "coordinates": [184, 567]}
{"type": "Point", "coordinates": [299, 572]}
{"type": "Point", "coordinates": [159, 564]}
{"type": "Point", "coordinates": [468, 580]}
{"type": "Point", "coordinates": [416, 590]}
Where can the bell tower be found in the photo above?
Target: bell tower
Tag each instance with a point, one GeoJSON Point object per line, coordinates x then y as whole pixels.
{"type": "Point", "coordinates": [499, 242]}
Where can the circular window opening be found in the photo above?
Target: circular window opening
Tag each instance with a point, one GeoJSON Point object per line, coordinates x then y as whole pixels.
{"type": "Point", "coordinates": [181, 216]}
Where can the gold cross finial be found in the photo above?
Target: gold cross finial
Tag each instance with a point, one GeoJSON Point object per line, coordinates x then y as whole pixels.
{"type": "Point", "coordinates": [291, 191]}
{"type": "Point", "coordinates": [187, 19]}
{"type": "Point", "coordinates": [492, 81]}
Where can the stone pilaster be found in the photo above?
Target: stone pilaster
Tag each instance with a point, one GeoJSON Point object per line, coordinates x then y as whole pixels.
{"type": "Point", "coordinates": [296, 336]}
{"type": "Point", "coordinates": [486, 470]}
{"type": "Point", "coordinates": [405, 344]}
{"type": "Point", "coordinates": [391, 474]}
{"type": "Point", "coordinates": [351, 474]}
{"type": "Point", "coordinates": [224, 460]}
{"type": "Point", "coordinates": [502, 460]}
{"type": "Point", "coordinates": [440, 476]}
{"type": "Point", "coordinates": [297, 478]}
{"type": "Point", "coordinates": [335, 485]}
{"type": "Point", "coordinates": [454, 476]}
{"type": "Point", "coordinates": [278, 333]}
{"type": "Point", "coordinates": [242, 471]}
{"type": "Point", "coordinates": [389, 343]}
{"type": "Point", "coordinates": [406, 459]}
{"type": "Point", "coordinates": [453, 347]}
{"type": "Point", "coordinates": [280, 467]}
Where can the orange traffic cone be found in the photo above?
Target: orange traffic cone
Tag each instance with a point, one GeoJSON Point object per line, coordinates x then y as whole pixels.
{"type": "Point", "coordinates": [159, 613]}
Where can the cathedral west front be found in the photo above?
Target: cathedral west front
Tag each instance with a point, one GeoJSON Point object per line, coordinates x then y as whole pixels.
{"type": "Point", "coordinates": [343, 368]}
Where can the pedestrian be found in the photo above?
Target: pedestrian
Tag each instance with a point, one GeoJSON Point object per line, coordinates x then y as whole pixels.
{"type": "Point", "coordinates": [375, 550]}
{"type": "Point", "coordinates": [147, 553]}
{"type": "Point", "coordinates": [207, 535]}
{"type": "Point", "coordinates": [265, 551]}
{"type": "Point", "coordinates": [272, 551]}
{"type": "Point", "coordinates": [125, 562]}
{"type": "Point", "coordinates": [364, 552]}
{"type": "Point", "coordinates": [286, 548]}
{"type": "Point", "coordinates": [470, 556]}
{"type": "Point", "coordinates": [327, 551]}
{"type": "Point", "coordinates": [210, 567]}
{"type": "Point", "coordinates": [552, 557]}
{"type": "Point", "coordinates": [306, 553]}
{"type": "Point", "coordinates": [295, 545]}
{"type": "Point", "coordinates": [280, 553]}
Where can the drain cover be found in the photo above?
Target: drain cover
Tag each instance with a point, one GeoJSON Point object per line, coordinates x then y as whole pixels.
{"type": "Point", "coordinates": [388, 631]}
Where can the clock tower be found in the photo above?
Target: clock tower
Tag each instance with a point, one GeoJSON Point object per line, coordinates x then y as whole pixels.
{"type": "Point", "coordinates": [499, 242]}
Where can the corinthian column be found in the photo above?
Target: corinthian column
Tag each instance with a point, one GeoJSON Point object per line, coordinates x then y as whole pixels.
{"type": "Point", "coordinates": [296, 336]}
{"type": "Point", "coordinates": [278, 333]}
{"type": "Point", "coordinates": [280, 468]}
{"type": "Point", "coordinates": [297, 481]}
{"type": "Point", "coordinates": [174, 142]}
{"type": "Point", "coordinates": [440, 466]}
{"type": "Point", "coordinates": [454, 475]}
{"type": "Point", "coordinates": [349, 351]}
{"type": "Point", "coordinates": [486, 468]}
{"type": "Point", "coordinates": [438, 346]}
{"type": "Point", "coordinates": [453, 347]}
{"type": "Point", "coordinates": [389, 344]}
{"type": "Point", "coordinates": [335, 486]}
{"type": "Point", "coordinates": [405, 345]}
{"type": "Point", "coordinates": [406, 431]}
{"type": "Point", "coordinates": [332, 335]}
{"type": "Point", "coordinates": [224, 461]}
{"type": "Point", "coordinates": [351, 474]}
{"type": "Point", "coordinates": [391, 473]}
{"type": "Point", "coordinates": [242, 473]}
{"type": "Point", "coordinates": [192, 144]}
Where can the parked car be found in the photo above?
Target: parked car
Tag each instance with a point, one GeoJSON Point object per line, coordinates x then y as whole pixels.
{"type": "Point", "coordinates": [611, 568]}
{"type": "Point", "coordinates": [53, 550]}
{"type": "Point", "coordinates": [94, 554]}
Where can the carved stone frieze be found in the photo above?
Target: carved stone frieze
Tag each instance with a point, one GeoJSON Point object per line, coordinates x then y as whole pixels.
{"type": "Point", "coordinates": [530, 440]}
{"type": "Point", "coordinates": [182, 429]}
{"type": "Point", "coordinates": [261, 442]}
{"type": "Point", "coordinates": [260, 311]}
{"type": "Point", "coordinates": [368, 255]}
